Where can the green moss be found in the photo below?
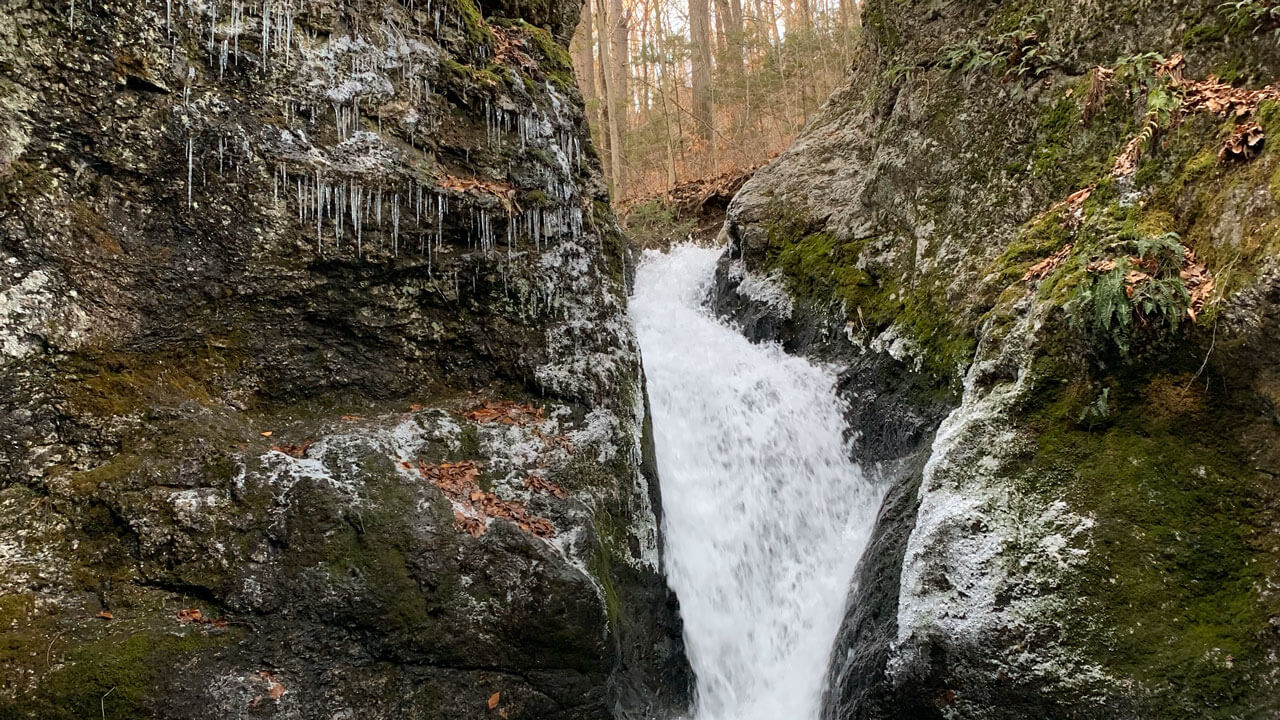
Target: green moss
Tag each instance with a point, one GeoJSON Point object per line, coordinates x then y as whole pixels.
{"type": "Point", "coordinates": [476, 30]}
{"type": "Point", "coordinates": [611, 539]}
{"type": "Point", "coordinates": [553, 58]}
{"type": "Point", "coordinates": [469, 78]}
{"type": "Point", "coordinates": [1169, 585]}
{"type": "Point", "coordinates": [119, 675]}
{"type": "Point", "coordinates": [120, 383]}
{"type": "Point", "coordinates": [655, 225]}
{"type": "Point", "coordinates": [823, 272]}
{"type": "Point", "coordinates": [468, 443]}
{"type": "Point", "coordinates": [1035, 241]}
{"type": "Point", "coordinates": [25, 179]}
{"type": "Point", "coordinates": [372, 547]}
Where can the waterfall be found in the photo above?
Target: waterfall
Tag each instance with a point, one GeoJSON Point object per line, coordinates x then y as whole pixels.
{"type": "Point", "coordinates": [765, 514]}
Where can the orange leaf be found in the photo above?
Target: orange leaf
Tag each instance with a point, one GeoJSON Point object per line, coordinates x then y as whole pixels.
{"type": "Point", "coordinates": [493, 700]}
{"type": "Point", "coordinates": [190, 615]}
{"type": "Point", "coordinates": [266, 434]}
{"type": "Point", "coordinates": [106, 615]}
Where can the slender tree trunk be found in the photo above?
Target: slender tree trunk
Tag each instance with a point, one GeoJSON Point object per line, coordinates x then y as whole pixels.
{"type": "Point", "coordinates": [646, 64]}
{"type": "Point", "coordinates": [620, 54]}
{"type": "Point", "coordinates": [721, 32]}
{"type": "Point", "coordinates": [700, 37]}
{"type": "Point", "coordinates": [583, 45]}
{"type": "Point", "coordinates": [602, 86]}
{"type": "Point", "coordinates": [611, 90]}
{"type": "Point", "coordinates": [804, 14]}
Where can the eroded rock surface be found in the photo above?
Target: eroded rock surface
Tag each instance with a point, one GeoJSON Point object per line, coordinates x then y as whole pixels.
{"type": "Point", "coordinates": [273, 277]}
{"type": "Point", "coordinates": [1002, 228]}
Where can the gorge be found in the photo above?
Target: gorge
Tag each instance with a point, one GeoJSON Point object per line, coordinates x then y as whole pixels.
{"type": "Point", "coordinates": [331, 387]}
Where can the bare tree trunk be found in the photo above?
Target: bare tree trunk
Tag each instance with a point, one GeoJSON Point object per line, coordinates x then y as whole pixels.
{"type": "Point", "coordinates": [584, 59]}
{"type": "Point", "coordinates": [620, 54]}
{"type": "Point", "coordinates": [644, 102]}
{"type": "Point", "coordinates": [604, 26]}
{"type": "Point", "coordinates": [804, 13]}
{"type": "Point", "coordinates": [602, 85]}
{"type": "Point", "coordinates": [721, 32]}
{"type": "Point", "coordinates": [700, 37]}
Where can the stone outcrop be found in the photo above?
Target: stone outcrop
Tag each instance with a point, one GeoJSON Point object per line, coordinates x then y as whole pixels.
{"type": "Point", "coordinates": [317, 396]}
{"type": "Point", "coordinates": [1040, 241]}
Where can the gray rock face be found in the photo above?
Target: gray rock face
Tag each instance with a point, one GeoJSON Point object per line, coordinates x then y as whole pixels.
{"type": "Point", "coordinates": [1073, 505]}
{"type": "Point", "coordinates": [317, 397]}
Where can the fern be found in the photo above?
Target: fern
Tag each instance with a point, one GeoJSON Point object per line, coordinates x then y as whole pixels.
{"type": "Point", "coordinates": [1099, 409]}
{"type": "Point", "coordinates": [1163, 299]}
{"type": "Point", "coordinates": [1166, 252]}
{"type": "Point", "coordinates": [1106, 305]}
{"type": "Point", "coordinates": [1252, 15]}
{"type": "Point", "coordinates": [1101, 308]}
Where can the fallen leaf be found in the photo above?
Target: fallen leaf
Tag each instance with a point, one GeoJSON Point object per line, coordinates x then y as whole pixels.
{"type": "Point", "coordinates": [274, 688]}
{"type": "Point", "coordinates": [1244, 143]}
{"type": "Point", "coordinates": [190, 615]}
{"type": "Point", "coordinates": [493, 700]}
{"type": "Point", "coordinates": [106, 615]}
{"type": "Point", "coordinates": [1045, 267]}
{"type": "Point", "coordinates": [295, 451]}
{"type": "Point", "coordinates": [538, 484]}
{"type": "Point", "coordinates": [266, 433]}
{"type": "Point", "coordinates": [503, 192]}
{"type": "Point", "coordinates": [508, 413]}
{"type": "Point", "coordinates": [416, 407]}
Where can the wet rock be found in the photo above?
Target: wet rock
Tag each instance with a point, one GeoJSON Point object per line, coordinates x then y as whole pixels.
{"type": "Point", "coordinates": [1067, 501]}
{"type": "Point", "coordinates": [259, 265]}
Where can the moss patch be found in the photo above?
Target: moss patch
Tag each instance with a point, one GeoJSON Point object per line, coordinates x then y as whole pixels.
{"type": "Point", "coordinates": [1171, 581]}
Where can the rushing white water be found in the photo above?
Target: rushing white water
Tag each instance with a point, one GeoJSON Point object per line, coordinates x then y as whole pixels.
{"type": "Point", "coordinates": [765, 515]}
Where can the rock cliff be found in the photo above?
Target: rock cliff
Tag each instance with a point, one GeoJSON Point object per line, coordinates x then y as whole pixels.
{"type": "Point", "coordinates": [1042, 240]}
{"type": "Point", "coordinates": [317, 397]}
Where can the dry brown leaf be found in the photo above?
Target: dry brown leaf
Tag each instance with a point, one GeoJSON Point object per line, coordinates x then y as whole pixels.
{"type": "Point", "coordinates": [511, 47]}
{"type": "Point", "coordinates": [275, 688]}
{"type": "Point", "coordinates": [1244, 143]}
{"type": "Point", "coordinates": [190, 615]}
{"type": "Point", "coordinates": [505, 412]}
{"type": "Point", "coordinates": [106, 615]}
{"type": "Point", "coordinates": [266, 433]}
{"type": "Point", "coordinates": [1200, 284]}
{"type": "Point", "coordinates": [1045, 267]}
{"type": "Point", "coordinates": [1076, 199]}
{"type": "Point", "coordinates": [494, 699]}
{"type": "Point", "coordinates": [1096, 98]}
{"type": "Point", "coordinates": [505, 193]}
{"type": "Point", "coordinates": [538, 484]}
{"type": "Point", "coordinates": [458, 481]}
{"type": "Point", "coordinates": [295, 451]}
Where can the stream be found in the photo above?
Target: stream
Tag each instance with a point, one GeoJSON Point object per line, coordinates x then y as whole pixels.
{"type": "Point", "coordinates": [765, 514]}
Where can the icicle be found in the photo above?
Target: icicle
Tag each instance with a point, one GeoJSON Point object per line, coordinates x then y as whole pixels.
{"type": "Point", "coordinates": [395, 225]}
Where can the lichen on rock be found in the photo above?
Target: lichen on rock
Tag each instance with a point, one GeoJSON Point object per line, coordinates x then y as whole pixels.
{"type": "Point", "coordinates": [1053, 291]}
{"type": "Point", "coordinates": [259, 265]}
